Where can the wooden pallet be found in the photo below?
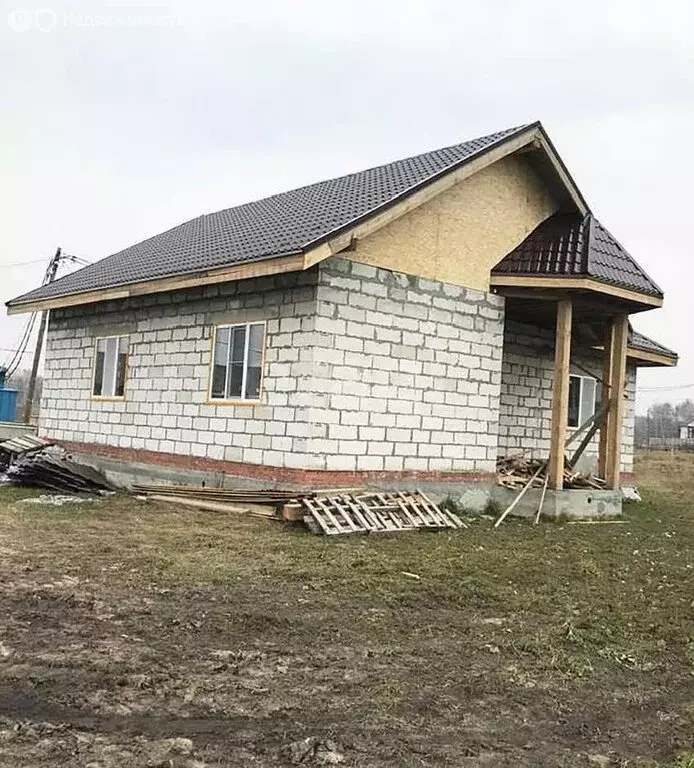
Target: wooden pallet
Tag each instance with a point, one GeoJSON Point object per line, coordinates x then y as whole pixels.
{"type": "Point", "coordinates": [376, 513]}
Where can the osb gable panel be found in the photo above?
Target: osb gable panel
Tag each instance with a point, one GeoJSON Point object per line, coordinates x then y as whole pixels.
{"type": "Point", "coordinates": [458, 236]}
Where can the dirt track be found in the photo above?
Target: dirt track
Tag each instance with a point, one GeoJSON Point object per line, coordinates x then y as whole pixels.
{"type": "Point", "coordinates": [135, 636]}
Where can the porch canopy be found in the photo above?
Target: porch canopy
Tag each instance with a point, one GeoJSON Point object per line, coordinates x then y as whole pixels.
{"type": "Point", "coordinates": [571, 274]}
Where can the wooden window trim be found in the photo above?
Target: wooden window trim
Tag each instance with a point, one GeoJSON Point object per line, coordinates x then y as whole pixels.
{"type": "Point", "coordinates": [237, 401]}
{"type": "Point", "coordinates": [110, 398]}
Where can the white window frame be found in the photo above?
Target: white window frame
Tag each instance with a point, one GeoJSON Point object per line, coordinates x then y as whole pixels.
{"type": "Point", "coordinates": [583, 417]}
{"type": "Point", "coordinates": [243, 400]}
{"type": "Point", "coordinates": [113, 396]}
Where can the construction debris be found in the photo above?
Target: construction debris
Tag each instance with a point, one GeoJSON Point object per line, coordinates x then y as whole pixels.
{"type": "Point", "coordinates": [231, 495]}
{"type": "Point", "coordinates": [515, 471]}
{"type": "Point", "coordinates": [52, 469]}
{"type": "Point", "coordinates": [15, 446]}
{"type": "Point", "coordinates": [268, 503]}
{"type": "Point", "coordinates": [376, 513]}
{"type": "Point", "coordinates": [328, 512]}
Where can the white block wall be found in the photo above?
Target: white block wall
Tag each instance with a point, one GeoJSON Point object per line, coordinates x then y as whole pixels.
{"type": "Point", "coordinates": [407, 372]}
{"type": "Point", "coordinates": [168, 368]}
{"type": "Point", "coordinates": [365, 369]}
{"type": "Point", "coordinates": [525, 413]}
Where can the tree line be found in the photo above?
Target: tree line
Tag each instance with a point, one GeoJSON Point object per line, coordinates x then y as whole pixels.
{"type": "Point", "coordinates": [663, 422]}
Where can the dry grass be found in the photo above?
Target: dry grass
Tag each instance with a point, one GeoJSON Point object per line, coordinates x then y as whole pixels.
{"type": "Point", "coordinates": [129, 622]}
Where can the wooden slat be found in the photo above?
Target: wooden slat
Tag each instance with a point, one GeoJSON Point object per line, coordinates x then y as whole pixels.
{"type": "Point", "coordinates": [345, 513]}
{"type": "Point", "coordinates": [367, 524]}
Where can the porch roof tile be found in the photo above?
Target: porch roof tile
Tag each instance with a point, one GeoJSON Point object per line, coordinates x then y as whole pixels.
{"type": "Point", "coordinates": [571, 245]}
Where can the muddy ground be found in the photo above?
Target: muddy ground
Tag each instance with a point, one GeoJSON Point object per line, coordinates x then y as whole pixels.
{"type": "Point", "coordinates": [136, 634]}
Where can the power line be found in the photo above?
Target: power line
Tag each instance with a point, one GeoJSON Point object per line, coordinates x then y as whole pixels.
{"type": "Point", "coordinates": [23, 263]}
{"type": "Point", "coordinates": [664, 389]}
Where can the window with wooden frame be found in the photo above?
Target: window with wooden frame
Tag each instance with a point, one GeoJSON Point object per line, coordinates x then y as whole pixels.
{"type": "Point", "coordinates": [110, 367]}
{"type": "Point", "coordinates": [237, 362]}
{"type": "Point", "coordinates": [584, 392]}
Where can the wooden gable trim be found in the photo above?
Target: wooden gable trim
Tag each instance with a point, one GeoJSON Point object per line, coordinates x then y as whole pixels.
{"type": "Point", "coordinates": [575, 284]}
{"type": "Point", "coordinates": [275, 266]}
{"type": "Point", "coordinates": [530, 138]}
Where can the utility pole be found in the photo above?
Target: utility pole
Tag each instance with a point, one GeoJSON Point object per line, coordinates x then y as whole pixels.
{"type": "Point", "coordinates": [31, 388]}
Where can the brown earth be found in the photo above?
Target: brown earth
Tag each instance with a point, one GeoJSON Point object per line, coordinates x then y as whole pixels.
{"type": "Point", "coordinates": [136, 634]}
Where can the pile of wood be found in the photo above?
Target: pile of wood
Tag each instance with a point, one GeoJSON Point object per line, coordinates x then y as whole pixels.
{"type": "Point", "coordinates": [376, 513]}
{"type": "Point", "coordinates": [515, 472]}
{"type": "Point", "coordinates": [267, 503]}
{"type": "Point", "coordinates": [327, 512]}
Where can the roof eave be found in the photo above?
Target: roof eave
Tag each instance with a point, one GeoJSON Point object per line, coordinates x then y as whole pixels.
{"type": "Point", "coordinates": [645, 358]}
{"type": "Point", "coordinates": [267, 265]}
{"type": "Point", "coordinates": [573, 282]}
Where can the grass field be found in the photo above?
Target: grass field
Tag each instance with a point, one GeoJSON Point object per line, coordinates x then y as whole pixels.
{"type": "Point", "coordinates": [135, 634]}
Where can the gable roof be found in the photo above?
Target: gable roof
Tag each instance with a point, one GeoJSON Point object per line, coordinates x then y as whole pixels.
{"type": "Point", "coordinates": [571, 245]}
{"type": "Point", "coordinates": [281, 225]}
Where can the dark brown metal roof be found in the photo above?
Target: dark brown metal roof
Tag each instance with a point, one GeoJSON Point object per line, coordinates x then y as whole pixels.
{"type": "Point", "coordinates": [639, 341]}
{"type": "Point", "coordinates": [571, 245]}
{"type": "Point", "coordinates": [281, 225]}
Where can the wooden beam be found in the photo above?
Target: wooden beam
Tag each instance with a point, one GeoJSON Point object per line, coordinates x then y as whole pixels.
{"type": "Point", "coordinates": [603, 449]}
{"type": "Point", "coordinates": [618, 372]}
{"type": "Point", "coordinates": [560, 394]}
{"type": "Point", "coordinates": [651, 358]}
{"type": "Point", "coordinates": [274, 266]}
{"type": "Point", "coordinates": [576, 284]}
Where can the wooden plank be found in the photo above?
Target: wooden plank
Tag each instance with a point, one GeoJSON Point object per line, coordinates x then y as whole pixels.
{"type": "Point", "coordinates": [325, 508]}
{"type": "Point", "coordinates": [576, 284]}
{"type": "Point", "coordinates": [407, 514]}
{"type": "Point", "coordinates": [542, 499]}
{"type": "Point", "coordinates": [437, 515]}
{"type": "Point", "coordinates": [392, 510]}
{"type": "Point", "coordinates": [560, 394]}
{"type": "Point", "coordinates": [345, 512]}
{"type": "Point", "coordinates": [511, 506]}
{"type": "Point", "coordinates": [457, 522]}
{"type": "Point", "coordinates": [617, 377]}
{"type": "Point", "coordinates": [212, 506]}
{"type": "Point", "coordinates": [386, 525]}
{"type": "Point", "coordinates": [596, 420]}
{"type": "Point", "coordinates": [327, 522]}
{"type": "Point", "coordinates": [412, 511]}
{"type": "Point", "coordinates": [369, 523]}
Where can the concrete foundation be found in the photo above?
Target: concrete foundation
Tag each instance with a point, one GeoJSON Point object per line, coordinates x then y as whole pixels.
{"type": "Point", "coordinates": [578, 503]}
{"type": "Point", "coordinates": [468, 496]}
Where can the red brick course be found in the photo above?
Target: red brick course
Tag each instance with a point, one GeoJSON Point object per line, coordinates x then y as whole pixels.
{"type": "Point", "coordinates": [317, 478]}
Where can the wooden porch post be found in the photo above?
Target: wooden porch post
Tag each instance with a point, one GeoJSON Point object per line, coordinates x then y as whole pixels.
{"type": "Point", "coordinates": [618, 372]}
{"type": "Point", "coordinates": [560, 394]}
{"type": "Point", "coordinates": [607, 355]}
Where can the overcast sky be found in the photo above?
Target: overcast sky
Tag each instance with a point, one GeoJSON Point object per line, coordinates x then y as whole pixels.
{"type": "Point", "coordinates": [120, 120]}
